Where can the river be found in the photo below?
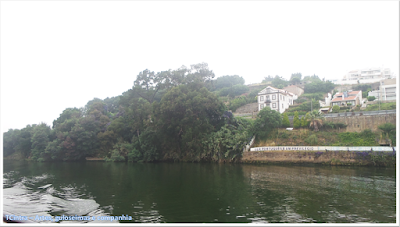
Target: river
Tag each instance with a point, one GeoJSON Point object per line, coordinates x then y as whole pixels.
{"type": "Point", "coordinates": [199, 192]}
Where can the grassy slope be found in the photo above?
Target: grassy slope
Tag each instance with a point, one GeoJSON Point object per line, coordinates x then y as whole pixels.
{"type": "Point", "coordinates": [300, 137]}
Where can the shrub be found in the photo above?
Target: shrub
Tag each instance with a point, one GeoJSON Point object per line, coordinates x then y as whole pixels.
{"type": "Point", "coordinates": [312, 140]}
{"type": "Point", "coordinates": [296, 120]}
{"type": "Point", "coordinates": [335, 109]}
{"type": "Point", "coordinates": [371, 98]}
{"type": "Point", "coordinates": [285, 121]}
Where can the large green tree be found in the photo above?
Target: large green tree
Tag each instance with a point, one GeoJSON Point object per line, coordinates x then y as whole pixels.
{"type": "Point", "coordinates": [267, 120]}
{"type": "Point", "coordinates": [185, 116]}
{"type": "Point", "coordinates": [40, 139]}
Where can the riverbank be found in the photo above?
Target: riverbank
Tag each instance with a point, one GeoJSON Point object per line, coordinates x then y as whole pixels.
{"type": "Point", "coordinates": [360, 158]}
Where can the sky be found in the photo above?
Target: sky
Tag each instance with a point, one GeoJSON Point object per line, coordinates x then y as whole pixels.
{"type": "Point", "coordinates": [60, 54]}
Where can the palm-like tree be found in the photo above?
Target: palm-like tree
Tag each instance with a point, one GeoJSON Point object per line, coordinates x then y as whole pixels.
{"type": "Point", "coordinates": [315, 118]}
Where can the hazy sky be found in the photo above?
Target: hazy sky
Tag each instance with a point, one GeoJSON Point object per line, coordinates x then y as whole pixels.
{"type": "Point", "coordinates": [60, 54]}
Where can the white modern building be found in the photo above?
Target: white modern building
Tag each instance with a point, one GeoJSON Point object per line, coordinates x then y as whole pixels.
{"type": "Point", "coordinates": [342, 98]}
{"type": "Point", "coordinates": [363, 76]}
{"type": "Point", "coordinates": [387, 90]}
{"type": "Point", "coordinates": [276, 99]}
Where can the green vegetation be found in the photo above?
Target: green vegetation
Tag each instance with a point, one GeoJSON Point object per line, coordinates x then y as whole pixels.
{"type": "Point", "coordinates": [285, 121]}
{"type": "Point", "coordinates": [317, 85]}
{"type": "Point", "coordinates": [296, 120]}
{"type": "Point", "coordinates": [233, 91]}
{"type": "Point", "coordinates": [171, 115]}
{"type": "Point", "coordinates": [389, 130]}
{"type": "Point", "coordinates": [365, 138]}
{"type": "Point", "coordinates": [317, 95]}
{"type": "Point", "coordinates": [239, 101]}
{"type": "Point", "coordinates": [323, 137]}
{"type": "Point", "coordinates": [383, 106]}
{"type": "Point", "coordinates": [371, 98]}
{"type": "Point", "coordinates": [176, 115]}
{"type": "Point", "coordinates": [267, 120]}
{"type": "Point", "coordinates": [303, 108]}
{"type": "Point", "coordinates": [365, 88]}
{"type": "Point", "coordinates": [335, 109]}
{"type": "Point", "coordinates": [315, 119]}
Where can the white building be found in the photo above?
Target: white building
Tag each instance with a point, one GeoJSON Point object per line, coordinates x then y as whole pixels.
{"type": "Point", "coordinates": [327, 100]}
{"type": "Point", "coordinates": [342, 98]}
{"type": "Point", "coordinates": [387, 91]}
{"type": "Point", "coordinates": [276, 99]}
{"type": "Point", "coordinates": [362, 76]}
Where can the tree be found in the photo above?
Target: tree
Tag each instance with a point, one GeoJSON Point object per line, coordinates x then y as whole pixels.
{"type": "Point", "coordinates": [185, 116]}
{"type": "Point", "coordinates": [390, 130]}
{"type": "Point", "coordinates": [295, 78]}
{"type": "Point", "coordinates": [267, 79]}
{"type": "Point", "coordinates": [285, 121]}
{"type": "Point", "coordinates": [233, 91]}
{"type": "Point", "coordinates": [228, 81]}
{"type": "Point", "coordinates": [296, 120]}
{"type": "Point", "coordinates": [266, 121]}
{"type": "Point", "coordinates": [40, 139]}
{"type": "Point", "coordinates": [228, 142]}
{"type": "Point", "coordinates": [387, 128]}
{"type": "Point", "coordinates": [335, 109]}
{"type": "Point", "coordinates": [279, 82]}
{"type": "Point", "coordinates": [318, 86]}
{"type": "Point", "coordinates": [315, 119]}
{"type": "Point", "coordinates": [304, 122]}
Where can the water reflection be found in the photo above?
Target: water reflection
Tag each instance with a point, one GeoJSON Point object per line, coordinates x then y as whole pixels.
{"type": "Point", "coordinates": [191, 193]}
{"type": "Point", "coordinates": [325, 194]}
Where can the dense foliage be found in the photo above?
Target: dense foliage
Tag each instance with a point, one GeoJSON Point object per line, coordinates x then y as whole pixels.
{"type": "Point", "coordinates": [170, 115]}
{"type": "Point", "coordinates": [267, 120]}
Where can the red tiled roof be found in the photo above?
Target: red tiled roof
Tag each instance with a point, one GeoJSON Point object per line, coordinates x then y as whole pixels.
{"type": "Point", "coordinates": [338, 99]}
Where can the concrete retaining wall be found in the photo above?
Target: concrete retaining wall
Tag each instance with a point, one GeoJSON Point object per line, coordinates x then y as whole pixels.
{"type": "Point", "coordinates": [292, 157]}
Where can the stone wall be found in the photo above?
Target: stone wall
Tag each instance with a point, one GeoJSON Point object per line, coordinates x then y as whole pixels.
{"type": "Point", "coordinates": [293, 157]}
{"type": "Point", "coordinates": [360, 123]}
{"type": "Point", "coordinates": [248, 108]}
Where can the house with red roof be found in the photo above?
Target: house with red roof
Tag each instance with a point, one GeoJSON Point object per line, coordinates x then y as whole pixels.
{"type": "Point", "coordinates": [342, 98]}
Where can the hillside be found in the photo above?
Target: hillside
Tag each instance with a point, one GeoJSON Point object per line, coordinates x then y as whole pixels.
{"type": "Point", "coordinates": [305, 137]}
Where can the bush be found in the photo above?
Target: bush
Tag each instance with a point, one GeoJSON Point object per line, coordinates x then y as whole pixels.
{"type": "Point", "coordinates": [371, 98]}
{"type": "Point", "coordinates": [312, 140]}
{"type": "Point", "coordinates": [238, 102]}
{"type": "Point", "coordinates": [390, 130]}
{"type": "Point", "coordinates": [296, 120]}
{"type": "Point", "coordinates": [335, 109]}
{"type": "Point", "coordinates": [266, 121]}
{"type": "Point", "coordinates": [233, 91]}
{"type": "Point", "coordinates": [383, 106]}
{"type": "Point", "coordinates": [285, 121]}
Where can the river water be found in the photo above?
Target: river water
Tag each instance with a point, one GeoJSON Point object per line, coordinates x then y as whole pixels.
{"type": "Point", "coordinates": [199, 192]}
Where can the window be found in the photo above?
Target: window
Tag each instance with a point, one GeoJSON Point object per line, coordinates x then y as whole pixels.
{"type": "Point", "coordinates": [261, 98]}
{"type": "Point", "coordinates": [261, 106]}
{"type": "Point", "coordinates": [283, 98]}
{"type": "Point", "coordinates": [273, 105]}
{"type": "Point", "coordinates": [282, 105]}
{"type": "Point", "coordinates": [273, 97]}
